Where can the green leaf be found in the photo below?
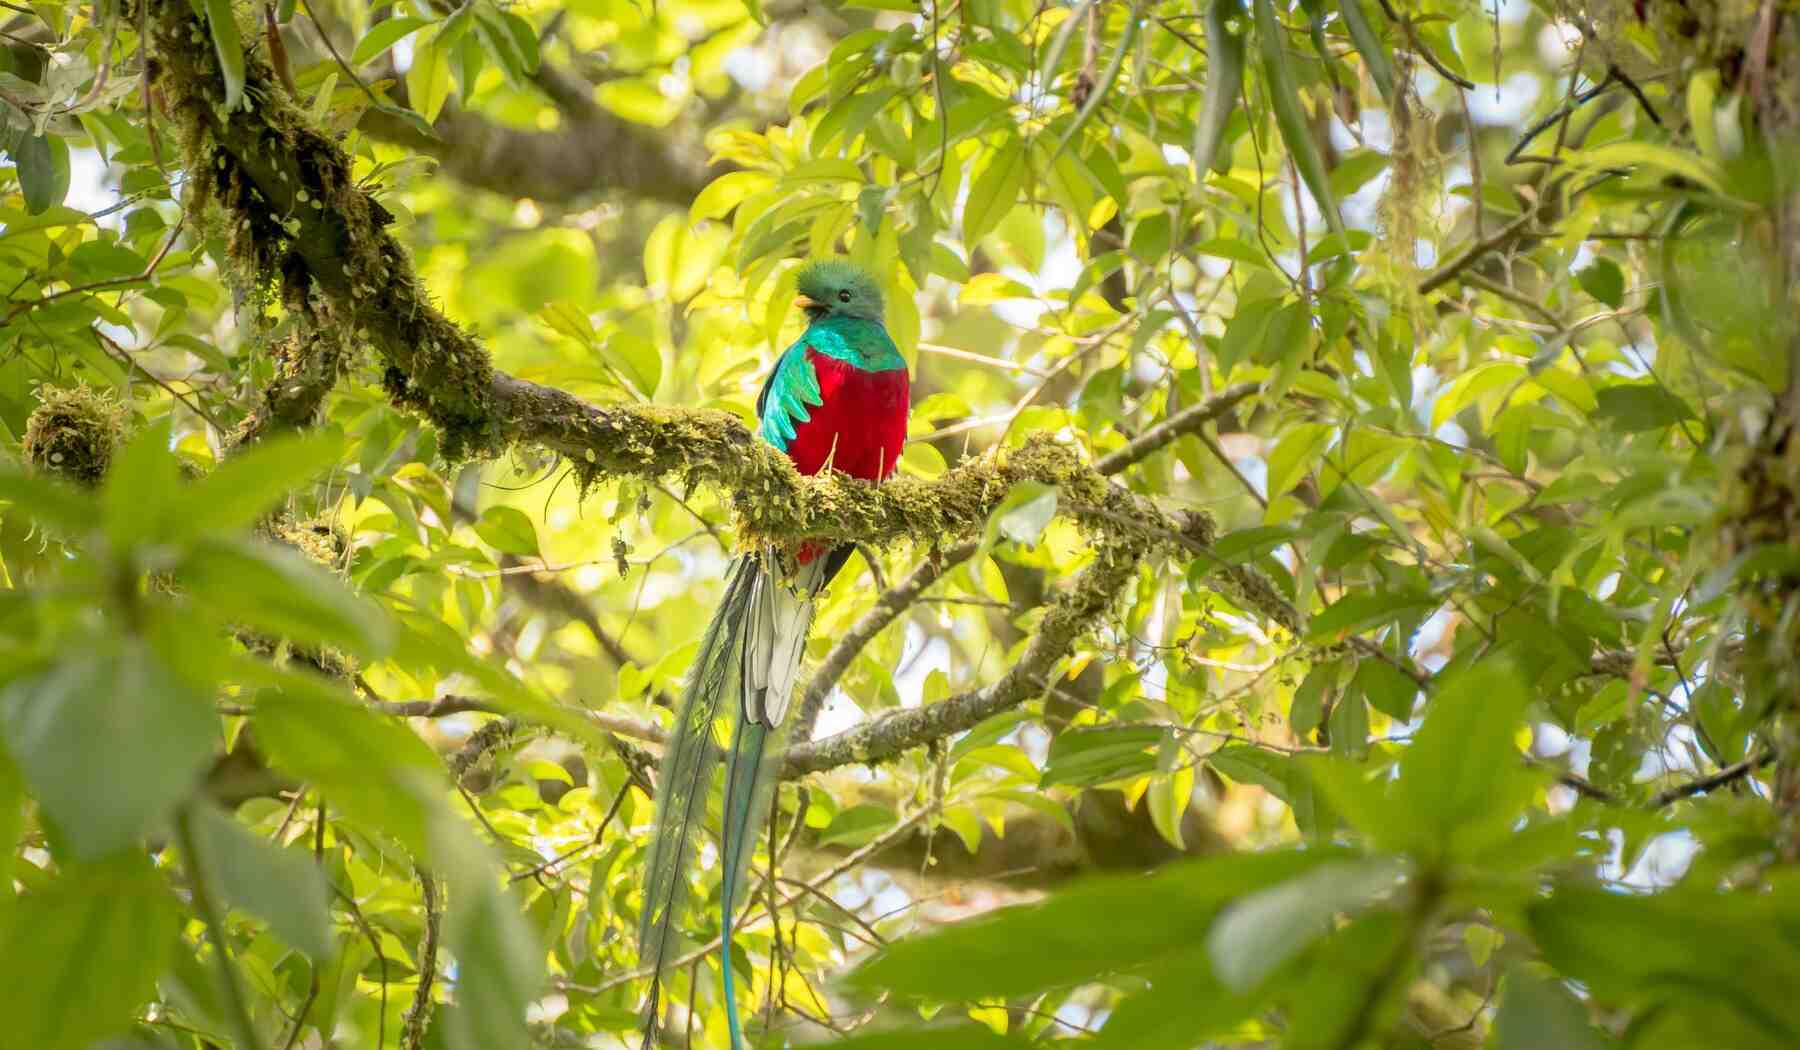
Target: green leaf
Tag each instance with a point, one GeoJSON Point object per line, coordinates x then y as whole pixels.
{"type": "Point", "coordinates": [1024, 949]}
{"type": "Point", "coordinates": [383, 35]}
{"type": "Point", "coordinates": [1462, 776]}
{"type": "Point", "coordinates": [1287, 336]}
{"type": "Point", "coordinates": [1472, 385]}
{"type": "Point", "coordinates": [1225, 26]}
{"type": "Point", "coordinates": [857, 825]}
{"type": "Point", "coordinates": [253, 483]}
{"type": "Point", "coordinates": [1632, 407]}
{"type": "Point", "coordinates": [1347, 791]}
{"type": "Point", "coordinates": [1260, 933]}
{"type": "Point", "coordinates": [419, 125]}
{"type": "Point", "coordinates": [723, 194]}
{"type": "Point", "coordinates": [43, 164]}
{"type": "Point", "coordinates": [373, 769]}
{"type": "Point", "coordinates": [85, 952]}
{"type": "Point", "coordinates": [488, 936]}
{"type": "Point", "coordinates": [1604, 281]}
{"type": "Point", "coordinates": [1349, 726]}
{"type": "Point", "coordinates": [872, 202]}
{"type": "Point", "coordinates": [283, 887]}
{"type": "Point", "coordinates": [508, 529]}
{"type": "Point", "coordinates": [1086, 757]}
{"type": "Point", "coordinates": [143, 488]}
{"type": "Point", "coordinates": [638, 358]}
{"type": "Point", "coordinates": [1639, 952]}
{"type": "Point", "coordinates": [1307, 711]}
{"type": "Point", "coordinates": [427, 79]}
{"type": "Point", "coordinates": [524, 36]}
{"type": "Point", "coordinates": [109, 740]}
{"type": "Point", "coordinates": [223, 25]}
{"type": "Point", "coordinates": [1290, 118]}
{"type": "Point", "coordinates": [1183, 1004]}
{"type": "Point", "coordinates": [1296, 454]}
{"type": "Point", "coordinates": [994, 191]}
{"type": "Point", "coordinates": [1535, 1012]}
{"type": "Point", "coordinates": [1667, 159]}
{"type": "Point", "coordinates": [1355, 613]}
{"type": "Point", "coordinates": [49, 501]}
{"type": "Point", "coordinates": [985, 288]}
{"type": "Point", "coordinates": [278, 590]}
{"type": "Point", "coordinates": [1168, 799]}
{"type": "Point", "coordinates": [1369, 46]}
{"type": "Point", "coordinates": [988, 732]}
{"type": "Point", "coordinates": [1386, 688]}
{"type": "Point", "coordinates": [1026, 512]}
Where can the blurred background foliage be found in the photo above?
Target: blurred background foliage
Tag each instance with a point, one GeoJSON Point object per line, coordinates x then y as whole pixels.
{"type": "Point", "coordinates": [318, 739]}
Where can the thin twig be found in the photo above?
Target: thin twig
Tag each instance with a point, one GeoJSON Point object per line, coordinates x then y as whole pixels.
{"type": "Point", "coordinates": [107, 344]}
{"type": "Point", "coordinates": [981, 359]}
{"type": "Point", "coordinates": [331, 47]}
{"type": "Point", "coordinates": [111, 282]}
{"type": "Point", "coordinates": [418, 1015]}
{"type": "Point", "coordinates": [1735, 771]}
{"type": "Point", "coordinates": [1419, 48]}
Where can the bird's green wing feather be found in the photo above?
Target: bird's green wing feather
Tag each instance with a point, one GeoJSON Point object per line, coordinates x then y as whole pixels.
{"type": "Point", "coordinates": [791, 388]}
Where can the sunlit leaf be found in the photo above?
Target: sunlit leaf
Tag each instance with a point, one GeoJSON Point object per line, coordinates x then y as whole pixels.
{"type": "Point", "coordinates": [99, 936]}
{"type": "Point", "coordinates": [283, 887]}
{"type": "Point", "coordinates": [109, 740]}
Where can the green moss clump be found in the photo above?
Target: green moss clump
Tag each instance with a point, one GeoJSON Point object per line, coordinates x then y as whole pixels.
{"type": "Point", "coordinates": [74, 432]}
{"type": "Point", "coordinates": [316, 538]}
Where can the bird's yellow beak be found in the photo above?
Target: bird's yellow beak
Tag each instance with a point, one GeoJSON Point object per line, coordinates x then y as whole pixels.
{"type": "Point", "coordinates": [807, 302]}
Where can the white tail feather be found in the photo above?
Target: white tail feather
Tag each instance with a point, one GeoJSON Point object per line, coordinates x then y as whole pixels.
{"type": "Point", "coordinates": [780, 615]}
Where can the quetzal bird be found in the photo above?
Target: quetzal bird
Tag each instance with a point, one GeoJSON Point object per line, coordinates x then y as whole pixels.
{"type": "Point", "coordinates": [836, 398]}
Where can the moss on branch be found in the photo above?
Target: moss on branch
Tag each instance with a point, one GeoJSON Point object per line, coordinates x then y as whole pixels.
{"type": "Point", "coordinates": [297, 221]}
{"type": "Point", "coordinates": [73, 432]}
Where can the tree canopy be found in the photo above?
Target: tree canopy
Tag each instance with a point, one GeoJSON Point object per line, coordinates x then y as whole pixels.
{"type": "Point", "coordinates": [1342, 589]}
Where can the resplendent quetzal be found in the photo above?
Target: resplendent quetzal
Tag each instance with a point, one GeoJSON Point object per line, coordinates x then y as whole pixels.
{"type": "Point", "coordinates": [837, 398]}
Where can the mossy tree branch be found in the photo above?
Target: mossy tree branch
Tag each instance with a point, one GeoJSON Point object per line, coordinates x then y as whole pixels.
{"type": "Point", "coordinates": [297, 218]}
{"type": "Point", "coordinates": [1068, 617]}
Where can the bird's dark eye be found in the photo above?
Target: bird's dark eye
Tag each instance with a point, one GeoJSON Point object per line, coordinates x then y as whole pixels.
{"type": "Point", "coordinates": [844, 296]}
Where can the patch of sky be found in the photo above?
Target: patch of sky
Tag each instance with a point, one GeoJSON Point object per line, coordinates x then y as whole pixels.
{"type": "Point", "coordinates": [919, 657]}
{"type": "Point", "coordinates": [1373, 130]}
{"type": "Point", "coordinates": [1557, 42]}
{"type": "Point", "coordinates": [751, 68]}
{"type": "Point", "coordinates": [1426, 641]}
{"type": "Point", "coordinates": [839, 714]}
{"type": "Point", "coordinates": [1359, 208]}
{"type": "Point", "coordinates": [1507, 104]}
{"type": "Point", "coordinates": [1659, 864]}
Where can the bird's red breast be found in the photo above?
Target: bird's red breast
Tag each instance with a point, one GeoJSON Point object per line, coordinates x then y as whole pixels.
{"type": "Point", "coordinates": [860, 429]}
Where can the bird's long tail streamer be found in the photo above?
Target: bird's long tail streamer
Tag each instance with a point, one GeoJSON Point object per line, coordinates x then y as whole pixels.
{"type": "Point", "coordinates": [775, 630]}
{"type": "Point", "coordinates": [746, 666]}
{"type": "Point", "coordinates": [713, 687]}
{"type": "Point", "coordinates": [747, 795]}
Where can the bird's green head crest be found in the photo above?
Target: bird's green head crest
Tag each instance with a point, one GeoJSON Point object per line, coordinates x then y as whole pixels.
{"type": "Point", "coordinates": [836, 288]}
